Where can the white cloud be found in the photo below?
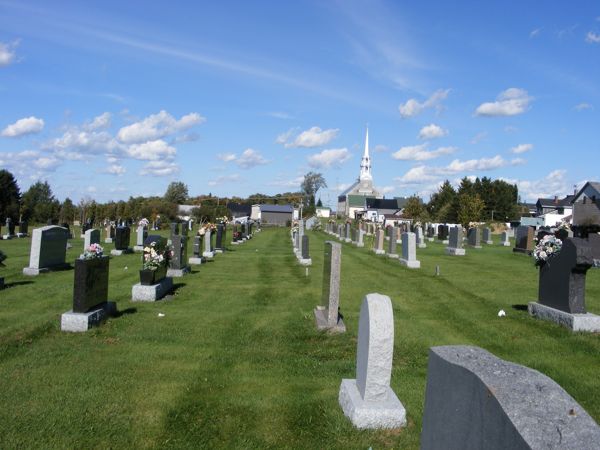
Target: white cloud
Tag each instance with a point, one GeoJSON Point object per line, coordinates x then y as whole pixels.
{"type": "Point", "coordinates": [521, 148]}
{"type": "Point", "coordinates": [313, 137]}
{"type": "Point", "coordinates": [159, 168]}
{"type": "Point", "coordinates": [476, 164]}
{"type": "Point", "coordinates": [75, 140]}
{"type": "Point", "coordinates": [250, 158]}
{"type": "Point", "coordinates": [99, 123]}
{"type": "Point", "coordinates": [583, 107]}
{"type": "Point", "coordinates": [279, 115]}
{"type": "Point", "coordinates": [555, 183]}
{"type": "Point", "coordinates": [592, 38]}
{"type": "Point", "coordinates": [287, 182]}
{"type": "Point", "coordinates": [7, 53]}
{"type": "Point", "coordinates": [227, 157]}
{"type": "Point", "coordinates": [157, 126]}
{"type": "Point", "coordinates": [116, 169]}
{"type": "Point", "coordinates": [46, 163]}
{"type": "Point", "coordinates": [479, 137]}
{"type": "Point", "coordinates": [111, 160]}
{"type": "Point", "coordinates": [21, 127]}
{"type": "Point", "coordinates": [151, 150]}
{"type": "Point", "coordinates": [334, 157]}
{"type": "Point", "coordinates": [386, 189]}
{"type": "Point", "coordinates": [432, 131]}
{"type": "Point", "coordinates": [379, 148]}
{"type": "Point", "coordinates": [418, 175]}
{"type": "Point", "coordinates": [412, 107]}
{"type": "Point", "coordinates": [224, 179]}
{"type": "Point", "coordinates": [420, 153]}
{"type": "Point", "coordinates": [510, 102]}
{"type": "Point", "coordinates": [535, 33]}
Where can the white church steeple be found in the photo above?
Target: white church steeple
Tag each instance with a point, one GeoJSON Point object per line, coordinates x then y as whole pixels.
{"type": "Point", "coordinates": [365, 163]}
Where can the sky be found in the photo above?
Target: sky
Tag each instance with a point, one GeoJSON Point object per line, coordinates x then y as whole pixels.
{"type": "Point", "coordinates": [111, 99]}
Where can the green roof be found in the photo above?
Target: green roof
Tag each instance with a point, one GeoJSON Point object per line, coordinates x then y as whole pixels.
{"type": "Point", "coordinates": [355, 201]}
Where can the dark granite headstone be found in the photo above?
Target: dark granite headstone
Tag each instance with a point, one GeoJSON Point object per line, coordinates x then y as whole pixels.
{"type": "Point", "coordinates": [430, 231]}
{"type": "Point", "coordinates": [185, 227]}
{"type": "Point", "coordinates": [474, 237]}
{"type": "Point", "coordinates": [524, 239]}
{"type": "Point", "coordinates": [244, 231]}
{"type": "Point", "coordinates": [10, 227]}
{"type": "Point", "coordinates": [174, 229]}
{"type": "Point", "coordinates": [197, 246]}
{"type": "Point", "coordinates": [562, 277]}
{"type": "Point", "coordinates": [219, 238]}
{"type": "Point", "coordinates": [122, 237]}
{"type": "Point", "coordinates": [90, 287]}
{"type": "Point", "coordinates": [442, 232]}
{"type": "Point", "coordinates": [179, 259]}
{"type": "Point", "coordinates": [305, 254]}
{"type": "Point", "coordinates": [23, 227]}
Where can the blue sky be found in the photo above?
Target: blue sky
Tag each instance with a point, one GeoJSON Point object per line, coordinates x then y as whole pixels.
{"type": "Point", "coordinates": [111, 99]}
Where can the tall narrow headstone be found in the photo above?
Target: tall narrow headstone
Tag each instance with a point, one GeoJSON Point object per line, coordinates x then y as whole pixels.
{"type": "Point", "coordinates": [368, 401]}
{"type": "Point", "coordinates": [474, 237]}
{"type": "Point", "coordinates": [524, 240]}
{"type": "Point", "coordinates": [420, 237]}
{"type": "Point", "coordinates": [109, 231]}
{"type": "Point", "coordinates": [392, 245]}
{"type": "Point", "coordinates": [504, 241]}
{"type": "Point", "coordinates": [220, 239]}
{"type": "Point", "coordinates": [48, 250]}
{"type": "Point", "coordinates": [304, 258]}
{"type": "Point", "coordinates": [208, 248]}
{"type": "Point", "coordinates": [361, 235]}
{"type": "Point", "coordinates": [487, 236]}
{"type": "Point", "coordinates": [455, 246]}
{"type": "Point", "coordinates": [197, 251]}
{"type": "Point", "coordinates": [141, 235]}
{"type": "Point", "coordinates": [327, 314]}
{"type": "Point", "coordinates": [178, 265]}
{"type": "Point", "coordinates": [91, 237]}
{"type": "Point", "coordinates": [122, 238]}
{"type": "Point", "coordinates": [378, 242]}
{"type": "Point", "coordinates": [409, 251]}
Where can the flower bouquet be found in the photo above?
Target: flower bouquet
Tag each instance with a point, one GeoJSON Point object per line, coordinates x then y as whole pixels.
{"type": "Point", "coordinates": [92, 252]}
{"type": "Point", "coordinates": [545, 249]}
{"type": "Point", "coordinates": [144, 222]}
{"type": "Point", "coordinates": [155, 260]}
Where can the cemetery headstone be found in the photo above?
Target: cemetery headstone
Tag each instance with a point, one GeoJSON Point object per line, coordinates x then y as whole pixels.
{"type": "Point", "coordinates": [305, 259]}
{"type": "Point", "coordinates": [91, 237]}
{"type": "Point", "coordinates": [409, 251]}
{"type": "Point", "coordinates": [361, 241]}
{"type": "Point", "coordinates": [220, 238]}
{"type": "Point", "coordinates": [178, 265]}
{"type": "Point", "coordinates": [48, 250]}
{"type": "Point", "coordinates": [487, 236]}
{"type": "Point", "coordinates": [109, 231]}
{"type": "Point", "coordinates": [392, 246]}
{"type": "Point", "coordinates": [347, 237]}
{"type": "Point", "coordinates": [141, 235]}
{"type": "Point", "coordinates": [208, 248]}
{"type": "Point", "coordinates": [23, 229]}
{"type": "Point", "coordinates": [197, 258]}
{"type": "Point", "coordinates": [154, 284]}
{"type": "Point", "coordinates": [378, 242]}
{"type": "Point", "coordinates": [368, 401]}
{"type": "Point", "coordinates": [443, 234]}
{"type": "Point", "coordinates": [327, 314]}
{"type": "Point", "coordinates": [122, 238]}
{"type": "Point", "coordinates": [504, 240]}
{"type": "Point", "coordinates": [474, 400]}
{"type": "Point", "coordinates": [561, 292]}
{"type": "Point", "coordinates": [420, 237]}
{"type": "Point", "coordinates": [455, 247]}
{"type": "Point", "coordinates": [524, 240]}
{"type": "Point", "coordinates": [10, 228]}
{"type": "Point", "coordinates": [474, 237]}
{"type": "Point", "coordinates": [90, 294]}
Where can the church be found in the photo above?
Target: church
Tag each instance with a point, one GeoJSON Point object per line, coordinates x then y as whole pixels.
{"type": "Point", "coordinates": [353, 199]}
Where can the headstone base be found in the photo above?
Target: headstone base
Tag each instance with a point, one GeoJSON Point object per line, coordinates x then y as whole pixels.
{"type": "Point", "coordinates": [208, 255]}
{"type": "Point", "coordinates": [321, 315]}
{"type": "Point", "coordinates": [423, 245]}
{"type": "Point", "coordinates": [393, 255]}
{"type": "Point", "coordinates": [475, 246]}
{"type": "Point", "coordinates": [108, 241]}
{"type": "Point", "coordinates": [32, 272]}
{"type": "Point", "coordinates": [505, 244]}
{"type": "Point", "coordinates": [79, 322]}
{"type": "Point", "coordinates": [152, 293]}
{"type": "Point", "coordinates": [488, 242]}
{"type": "Point", "coordinates": [446, 241]}
{"type": "Point", "coordinates": [575, 322]}
{"type": "Point", "coordinates": [178, 272]}
{"type": "Point", "coordinates": [430, 239]}
{"type": "Point", "coordinates": [379, 252]}
{"type": "Point", "coordinates": [21, 235]}
{"type": "Point", "coordinates": [138, 248]}
{"type": "Point", "coordinates": [414, 264]}
{"type": "Point", "coordinates": [389, 413]}
{"type": "Point", "coordinates": [455, 251]}
{"type": "Point", "coordinates": [218, 250]}
{"type": "Point", "coordinates": [305, 262]}
{"type": "Point", "coordinates": [234, 242]}
{"type": "Point", "coordinates": [348, 240]}
{"type": "Point", "coordinates": [120, 252]}
{"type": "Point", "coordinates": [196, 261]}
{"type": "Point", "coordinates": [6, 237]}
{"type": "Point", "coordinates": [360, 244]}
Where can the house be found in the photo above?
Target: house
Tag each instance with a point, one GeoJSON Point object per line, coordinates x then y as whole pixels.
{"type": "Point", "coordinates": [184, 212]}
{"type": "Point", "coordinates": [239, 210]}
{"type": "Point", "coordinates": [586, 204]}
{"type": "Point", "coordinates": [276, 214]}
{"type": "Point", "coordinates": [378, 209]}
{"type": "Point", "coordinates": [323, 211]}
{"type": "Point", "coordinates": [554, 210]}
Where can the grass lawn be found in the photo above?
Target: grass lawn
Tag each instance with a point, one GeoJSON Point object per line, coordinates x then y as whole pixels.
{"type": "Point", "coordinates": [236, 361]}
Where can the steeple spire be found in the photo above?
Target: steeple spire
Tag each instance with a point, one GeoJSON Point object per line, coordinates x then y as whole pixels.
{"type": "Point", "coordinates": [365, 163]}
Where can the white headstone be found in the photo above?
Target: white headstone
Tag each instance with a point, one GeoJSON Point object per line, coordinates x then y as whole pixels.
{"type": "Point", "coordinates": [409, 251]}
{"type": "Point", "coordinates": [91, 237]}
{"type": "Point", "coordinates": [368, 400]}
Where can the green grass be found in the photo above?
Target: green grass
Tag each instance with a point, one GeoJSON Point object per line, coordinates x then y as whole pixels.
{"type": "Point", "coordinates": [237, 363]}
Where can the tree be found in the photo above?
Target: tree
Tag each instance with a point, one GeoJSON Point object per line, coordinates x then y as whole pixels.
{"type": "Point", "coordinates": [470, 209]}
{"type": "Point", "coordinates": [177, 192]}
{"type": "Point", "coordinates": [10, 196]}
{"type": "Point", "coordinates": [414, 209]}
{"type": "Point", "coordinates": [319, 203]}
{"type": "Point", "coordinates": [39, 203]}
{"type": "Point", "coordinates": [67, 211]}
{"type": "Point", "coordinates": [442, 205]}
{"type": "Point", "coordinates": [312, 183]}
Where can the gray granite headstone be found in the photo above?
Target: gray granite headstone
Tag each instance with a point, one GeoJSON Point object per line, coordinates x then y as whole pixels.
{"type": "Point", "coordinates": [378, 242]}
{"type": "Point", "coordinates": [409, 251]}
{"type": "Point", "coordinates": [524, 239]}
{"type": "Point", "coordinates": [504, 240]}
{"type": "Point", "coordinates": [487, 236]}
{"type": "Point", "coordinates": [48, 249]}
{"type": "Point", "coordinates": [474, 400]}
{"type": "Point", "coordinates": [208, 248]}
{"type": "Point", "coordinates": [392, 246]}
{"type": "Point", "coordinates": [327, 314]}
{"type": "Point", "coordinates": [456, 241]}
{"type": "Point", "coordinates": [474, 237]}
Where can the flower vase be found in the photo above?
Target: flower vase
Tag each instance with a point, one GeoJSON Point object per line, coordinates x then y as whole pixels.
{"type": "Point", "coordinates": [148, 277]}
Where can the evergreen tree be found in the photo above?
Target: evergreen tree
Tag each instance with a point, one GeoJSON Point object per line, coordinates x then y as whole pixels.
{"type": "Point", "coordinates": [10, 196]}
{"type": "Point", "coordinates": [67, 211]}
{"type": "Point", "coordinates": [39, 204]}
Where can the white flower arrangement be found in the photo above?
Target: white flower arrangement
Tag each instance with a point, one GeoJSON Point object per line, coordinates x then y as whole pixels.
{"type": "Point", "coordinates": [546, 248]}
{"type": "Point", "coordinates": [156, 255]}
{"type": "Point", "coordinates": [144, 222]}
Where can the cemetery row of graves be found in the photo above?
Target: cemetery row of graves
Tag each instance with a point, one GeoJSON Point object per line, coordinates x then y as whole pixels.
{"type": "Point", "coordinates": [248, 345]}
